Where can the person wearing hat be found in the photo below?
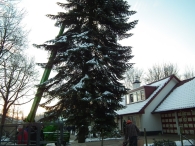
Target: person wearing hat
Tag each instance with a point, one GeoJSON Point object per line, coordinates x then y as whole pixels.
{"type": "Point", "coordinates": [131, 133]}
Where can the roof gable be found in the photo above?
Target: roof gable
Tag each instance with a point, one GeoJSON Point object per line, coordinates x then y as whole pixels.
{"type": "Point", "coordinates": [139, 107]}
{"type": "Point", "coordinates": [181, 97]}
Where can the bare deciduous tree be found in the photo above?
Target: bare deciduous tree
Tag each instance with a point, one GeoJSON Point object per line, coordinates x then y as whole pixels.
{"type": "Point", "coordinates": [13, 36]}
{"type": "Point", "coordinates": [15, 113]}
{"type": "Point", "coordinates": [17, 78]}
{"type": "Point", "coordinates": [155, 73]}
{"type": "Point", "coordinates": [188, 73]}
{"type": "Point", "coordinates": [131, 75]}
{"type": "Point", "coordinates": [160, 71]}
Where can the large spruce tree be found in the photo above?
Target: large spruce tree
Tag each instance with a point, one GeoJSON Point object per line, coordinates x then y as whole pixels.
{"type": "Point", "coordinates": [89, 63]}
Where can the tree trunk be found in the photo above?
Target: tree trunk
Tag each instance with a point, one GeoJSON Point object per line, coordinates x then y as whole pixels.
{"type": "Point", "coordinates": [83, 131]}
{"type": "Point", "coordinates": [2, 121]}
{"type": "Point", "coordinates": [4, 114]}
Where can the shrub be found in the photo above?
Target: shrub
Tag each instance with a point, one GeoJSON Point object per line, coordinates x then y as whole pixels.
{"type": "Point", "coordinates": [163, 143]}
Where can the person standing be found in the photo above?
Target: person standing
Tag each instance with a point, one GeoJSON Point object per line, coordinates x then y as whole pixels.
{"type": "Point", "coordinates": [68, 128]}
{"type": "Point", "coordinates": [73, 129]}
{"type": "Point", "coordinates": [131, 133]}
{"type": "Point", "coordinates": [22, 136]}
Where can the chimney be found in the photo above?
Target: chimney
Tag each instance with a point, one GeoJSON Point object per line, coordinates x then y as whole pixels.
{"type": "Point", "coordinates": [136, 83]}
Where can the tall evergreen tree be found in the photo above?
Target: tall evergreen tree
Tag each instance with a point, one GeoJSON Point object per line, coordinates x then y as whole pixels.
{"type": "Point", "coordinates": [89, 63]}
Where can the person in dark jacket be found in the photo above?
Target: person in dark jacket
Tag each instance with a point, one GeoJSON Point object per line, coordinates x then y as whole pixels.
{"type": "Point", "coordinates": [73, 129]}
{"type": "Point", "coordinates": [68, 128]}
{"type": "Point", "coordinates": [131, 133]}
{"type": "Point", "coordinates": [33, 134]}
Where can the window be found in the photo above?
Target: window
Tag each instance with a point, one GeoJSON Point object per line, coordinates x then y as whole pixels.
{"type": "Point", "coordinates": [138, 96]}
{"type": "Point", "coordinates": [131, 97]}
{"type": "Point", "coordinates": [142, 95]}
{"type": "Point", "coordinates": [134, 97]}
{"type": "Point", "coordinates": [127, 99]}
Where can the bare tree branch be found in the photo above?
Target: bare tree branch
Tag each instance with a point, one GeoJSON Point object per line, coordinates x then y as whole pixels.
{"type": "Point", "coordinates": [160, 71]}
{"type": "Point", "coordinates": [131, 75]}
{"type": "Point", "coordinates": [13, 36]}
{"type": "Point", "coordinates": [18, 77]}
{"type": "Point", "coordinates": [188, 73]}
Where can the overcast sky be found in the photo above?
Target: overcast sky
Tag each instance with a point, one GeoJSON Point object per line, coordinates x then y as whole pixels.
{"type": "Point", "coordinates": [165, 32]}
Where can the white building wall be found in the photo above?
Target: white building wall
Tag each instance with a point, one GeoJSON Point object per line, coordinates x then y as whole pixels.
{"type": "Point", "coordinates": [152, 122]}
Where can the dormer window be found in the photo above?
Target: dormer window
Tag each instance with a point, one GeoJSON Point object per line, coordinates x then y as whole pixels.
{"type": "Point", "coordinates": [135, 96]}
{"type": "Point", "coordinates": [139, 94]}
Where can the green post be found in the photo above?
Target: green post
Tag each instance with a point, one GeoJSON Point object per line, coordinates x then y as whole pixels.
{"type": "Point", "coordinates": [181, 137]}
{"type": "Point", "coordinates": [45, 76]}
{"type": "Point", "coordinates": [145, 136]}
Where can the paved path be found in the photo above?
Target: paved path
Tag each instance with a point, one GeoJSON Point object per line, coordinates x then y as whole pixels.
{"type": "Point", "coordinates": [118, 142]}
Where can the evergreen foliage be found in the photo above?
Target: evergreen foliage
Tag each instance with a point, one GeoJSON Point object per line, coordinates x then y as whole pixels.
{"type": "Point", "coordinates": [89, 63]}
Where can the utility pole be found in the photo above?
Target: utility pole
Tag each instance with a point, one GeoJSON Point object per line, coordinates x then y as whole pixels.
{"type": "Point", "coordinates": [45, 76]}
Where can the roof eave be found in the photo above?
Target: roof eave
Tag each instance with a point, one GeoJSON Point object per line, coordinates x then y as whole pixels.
{"type": "Point", "coordinates": [135, 113]}
{"type": "Point", "coordinates": [174, 110]}
{"type": "Point", "coordinates": [143, 108]}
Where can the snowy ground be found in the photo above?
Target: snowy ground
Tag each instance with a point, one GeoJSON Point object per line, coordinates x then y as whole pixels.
{"type": "Point", "coordinates": [178, 143]}
{"type": "Point", "coordinates": [185, 143]}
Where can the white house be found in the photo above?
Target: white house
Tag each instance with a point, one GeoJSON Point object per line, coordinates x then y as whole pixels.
{"type": "Point", "coordinates": [161, 107]}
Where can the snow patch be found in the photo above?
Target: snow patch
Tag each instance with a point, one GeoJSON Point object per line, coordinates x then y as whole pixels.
{"type": "Point", "coordinates": [80, 84]}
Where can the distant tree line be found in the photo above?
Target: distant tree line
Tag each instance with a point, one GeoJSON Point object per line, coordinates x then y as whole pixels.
{"type": "Point", "coordinates": [155, 73]}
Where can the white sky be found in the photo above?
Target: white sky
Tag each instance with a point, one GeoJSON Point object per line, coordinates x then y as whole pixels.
{"type": "Point", "coordinates": [165, 31]}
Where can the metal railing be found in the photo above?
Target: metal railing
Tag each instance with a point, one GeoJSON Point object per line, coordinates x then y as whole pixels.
{"type": "Point", "coordinates": [29, 134]}
{"type": "Point", "coordinates": [184, 137]}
